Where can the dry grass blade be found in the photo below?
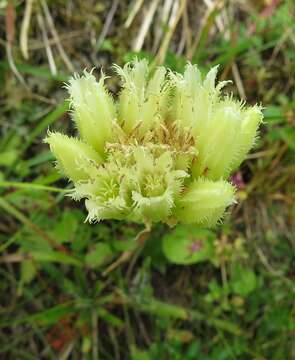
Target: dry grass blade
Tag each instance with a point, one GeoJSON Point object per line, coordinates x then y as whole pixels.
{"type": "Point", "coordinates": [94, 323]}
{"type": "Point", "coordinates": [162, 22]}
{"type": "Point", "coordinates": [107, 24]}
{"type": "Point", "coordinates": [173, 21]}
{"type": "Point", "coordinates": [55, 35]}
{"type": "Point", "coordinates": [126, 255]}
{"type": "Point", "coordinates": [238, 81]}
{"type": "Point", "coordinates": [23, 40]}
{"type": "Point", "coordinates": [134, 10]}
{"type": "Point", "coordinates": [67, 352]}
{"type": "Point", "coordinates": [184, 34]}
{"type": "Point", "coordinates": [26, 221]}
{"type": "Point", "coordinates": [218, 20]}
{"type": "Point", "coordinates": [138, 43]}
{"type": "Point", "coordinates": [10, 31]}
{"type": "Point", "coordinates": [49, 53]}
{"type": "Point", "coordinates": [14, 258]}
{"type": "Point", "coordinates": [205, 22]}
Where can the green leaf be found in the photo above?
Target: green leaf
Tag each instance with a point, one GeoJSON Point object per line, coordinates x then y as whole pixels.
{"type": "Point", "coordinates": [274, 114]}
{"type": "Point", "coordinates": [188, 244]}
{"type": "Point", "coordinates": [244, 280]}
{"type": "Point", "coordinates": [109, 318]}
{"type": "Point", "coordinates": [55, 256]}
{"type": "Point", "coordinates": [41, 72]}
{"type": "Point", "coordinates": [65, 230]}
{"type": "Point", "coordinates": [137, 354]}
{"type": "Point", "coordinates": [8, 157]}
{"type": "Point", "coordinates": [53, 315]}
{"type": "Point", "coordinates": [125, 245]}
{"type": "Point", "coordinates": [86, 344]}
{"type": "Point", "coordinates": [45, 122]}
{"type": "Point", "coordinates": [28, 271]}
{"type": "Point", "coordinates": [287, 134]}
{"type": "Point", "coordinates": [160, 308]}
{"type": "Point", "coordinates": [98, 255]}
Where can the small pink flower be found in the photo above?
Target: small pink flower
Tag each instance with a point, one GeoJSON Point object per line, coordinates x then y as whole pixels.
{"type": "Point", "coordinates": [195, 246]}
{"type": "Point", "coordinates": [238, 181]}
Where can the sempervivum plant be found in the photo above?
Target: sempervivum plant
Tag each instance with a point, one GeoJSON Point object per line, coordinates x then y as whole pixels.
{"type": "Point", "coordinates": [162, 152]}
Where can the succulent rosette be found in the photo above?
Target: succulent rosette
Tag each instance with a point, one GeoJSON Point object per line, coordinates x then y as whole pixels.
{"type": "Point", "coordinates": [161, 152]}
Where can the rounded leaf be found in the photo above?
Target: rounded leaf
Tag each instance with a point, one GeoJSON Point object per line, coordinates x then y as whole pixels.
{"type": "Point", "coordinates": [188, 244]}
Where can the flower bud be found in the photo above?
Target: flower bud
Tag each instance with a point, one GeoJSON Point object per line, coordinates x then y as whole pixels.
{"type": "Point", "coordinates": [185, 105]}
{"type": "Point", "coordinates": [225, 141]}
{"type": "Point", "coordinates": [93, 110]}
{"type": "Point", "coordinates": [224, 130]}
{"type": "Point", "coordinates": [251, 119]}
{"type": "Point", "coordinates": [155, 105]}
{"type": "Point", "coordinates": [218, 141]}
{"type": "Point", "coordinates": [143, 102]}
{"type": "Point", "coordinates": [132, 96]}
{"type": "Point", "coordinates": [73, 156]}
{"type": "Point", "coordinates": [204, 202]}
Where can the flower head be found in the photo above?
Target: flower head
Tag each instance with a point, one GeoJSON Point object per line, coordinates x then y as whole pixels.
{"type": "Point", "coordinates": [162, 152]}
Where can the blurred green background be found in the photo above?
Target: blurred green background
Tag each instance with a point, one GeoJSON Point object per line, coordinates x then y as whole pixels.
{"type": "Point", "coordinates": [54, 301]}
